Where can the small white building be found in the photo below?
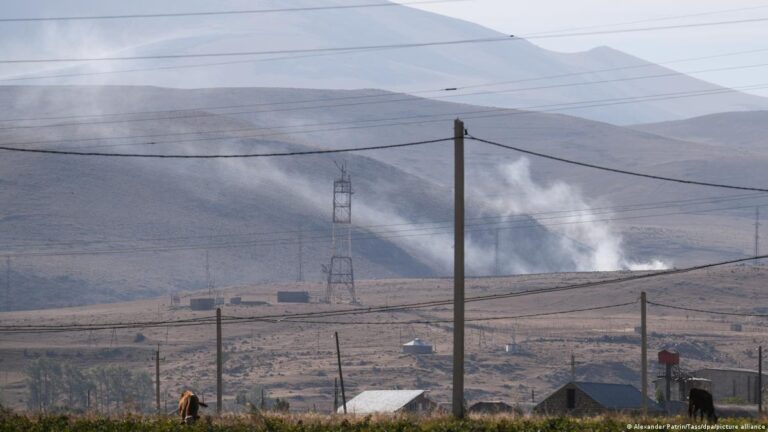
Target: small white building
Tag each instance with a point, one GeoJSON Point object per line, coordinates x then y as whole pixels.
{"type": "Point", "coordinates": [389, 401]}
{"type": "Point", "coordinates": [417, 346]}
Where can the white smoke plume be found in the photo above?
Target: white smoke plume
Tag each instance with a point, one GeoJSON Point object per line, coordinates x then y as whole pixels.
{"type": "Point", "coordinates": [584, 234]}
{"type": "Point", "coordinates": [585, 240]}
{"type": "Point", "coordinates": [546, 227]}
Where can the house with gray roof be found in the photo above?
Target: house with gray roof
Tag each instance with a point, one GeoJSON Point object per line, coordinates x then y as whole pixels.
{"type": "Point", "coordinates": [588, 398]}
{"type": "Point", "coordinates": [390, 401]}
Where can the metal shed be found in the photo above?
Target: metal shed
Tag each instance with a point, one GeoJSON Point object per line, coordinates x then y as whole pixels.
{"type": "Point", "coordinates": [417, 346]}
{"type": "Point", "coordinates": [293, 297]}
{"type": "Point", "coordinates": [204, 303]}
{"type": "Point", "coordinates": [389, 401]}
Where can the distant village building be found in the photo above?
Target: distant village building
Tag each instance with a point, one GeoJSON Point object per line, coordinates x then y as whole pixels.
{"type": "Point", "coordinates": [732, 383]}
{"type": "Point", "coordinates": [417, 346]}
{"type": "Point", "coordinates": [200, 304]}
{"type": "Point", "coordinates": [238, 301]}
{"type": "Point", "coordinates": [390, 401]}
{"type": "Point", "coordinates": [293, 297]}
{"type": "Point", "coordinates": [252, 303]}
{"type": "Point", "coordinates": [491, 407]}
{"type": "Point", "coordinates": [587, 398]}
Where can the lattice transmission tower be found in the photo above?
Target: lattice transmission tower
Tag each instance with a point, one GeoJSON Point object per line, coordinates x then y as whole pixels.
{"type": "Point", "coordinates": [341, 275]}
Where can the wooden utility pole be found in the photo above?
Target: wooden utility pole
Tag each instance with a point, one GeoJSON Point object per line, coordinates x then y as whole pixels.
{"type": "Point", "coordinates": [300, 273]}
{"type": "Point", "coordinates": [760, 379]}
{"type": "Point", "coordinates": [7, 283]}
{"type": "Point", "coordinates": [341, 377]}
{"type": "Point", "coordinates": [335, 395]}
{"type": "Point", "coordinates": [757, 231]}
{"type": "Point", "coordinates": [219, 363]}
{"type": "Point", "coordinates": [644, 352]}
{"type": "Point", "coordinates": [157, 380]}
{"type": "Point", "coordinates": [573, 368]}
{"type": "Point", "coordinates": [668, 387]}
{"type": "Point", "coordinates": [496, 270]}
{"type": "Point", "coordinates": [458, 269]}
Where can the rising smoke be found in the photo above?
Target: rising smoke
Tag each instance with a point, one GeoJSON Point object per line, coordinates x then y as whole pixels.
{"type": "Point", "coordinates": [541, 228]}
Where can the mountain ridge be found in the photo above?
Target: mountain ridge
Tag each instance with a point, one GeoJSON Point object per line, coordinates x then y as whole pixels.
{"type": "Point", "coordinates": [400, 70]}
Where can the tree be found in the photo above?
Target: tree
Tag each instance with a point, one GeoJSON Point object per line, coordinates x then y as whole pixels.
{"type": "Point", "coordinates": [76, 385]}
{"type": "Point", "coordinates": [44, 383]}
{"type": "Point", "coordinates": [54, 385]}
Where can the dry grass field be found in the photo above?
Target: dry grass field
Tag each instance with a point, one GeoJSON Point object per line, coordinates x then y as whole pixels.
{"type": "Point", "coordinates": [320, 423]}
{"type": "Point", "coordinates": [296, 361]}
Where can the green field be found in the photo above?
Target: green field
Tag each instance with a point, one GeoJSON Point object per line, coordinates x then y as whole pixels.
{"type": "Point", "coordinates": [321, 423]}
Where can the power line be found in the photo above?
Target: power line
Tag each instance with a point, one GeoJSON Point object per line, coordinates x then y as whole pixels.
{"type": "Point", "coordinates": [596, 103]}
{"type": "Point", "coordinates": [277, 318]}
{"type": "Point", "coordinates": [214, 13]}
{"type": "Point", "coordinates": [448, 321]}
{"type": "Point", "coordinates": [264, 52]}
{"type": "Point", "coordinates": [387, 46]}
{"type": "Point", "coordinates": [185, 66]}
{"type": "Point", "coordinates": [664, 18]}
{"type": "Point", "coordinates": [56, 329]}
{"type": "Point", "coordinates": [708, 311]}
{"type": "Point", "coordinates": [382, 235]}
{"type": "Point", "coordinates": [616, 170]}
{"type": "Point", "coordinates": [501, 218]}
{"type": "Point", "coordinates": [199, 65]}
{"type": "Point", "coordinates": [409, 120]}
{"type": "Point", "coordinates": [224, 156]}
{"type": "Point", "coordinates": [385, 101]}
{"type": "Point", "coordinates": [644, 29]}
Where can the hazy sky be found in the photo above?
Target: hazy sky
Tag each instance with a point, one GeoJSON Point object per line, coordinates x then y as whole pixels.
{"type": "Point", "coordinates": [531, 17]}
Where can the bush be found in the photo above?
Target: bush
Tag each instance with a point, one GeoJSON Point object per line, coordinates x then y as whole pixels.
{"type": "Point", "coordinates": [321, 423]}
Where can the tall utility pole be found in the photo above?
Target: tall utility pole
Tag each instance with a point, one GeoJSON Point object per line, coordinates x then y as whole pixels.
{"type": "Point", "coordinates": [760, 379]}
{"type": "Point", "coordinates": [496, 269]}
{"type": "Point", "coordinates": [573, 368]}
{"type": "Point", "coordinates": [644, 352]}
{"type": "Point", "coordinates": [335, 395]}
{"type": "Point", "coordinates": [157, 379]}
{"type": "Point", "coordinates": [458, 269]}
{"type": "Point", "coordinates": [757, 231]}
{"type": "Point", "coordinates": [341, 377]}
{"type": "Point", "coordinates": [210, 283]}
{"type": "Point", "coordinates": [7, 283]}
{"type": "Point", "coordinates": [219, 363]}
{"type": "Point", "coordinates": [300, 273]}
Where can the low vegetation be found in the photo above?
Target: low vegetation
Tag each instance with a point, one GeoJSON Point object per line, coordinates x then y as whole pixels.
{"type": "Point", "coordinates": [62, 386]}
{"type": "Point", "coordinates": [320, 423]}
